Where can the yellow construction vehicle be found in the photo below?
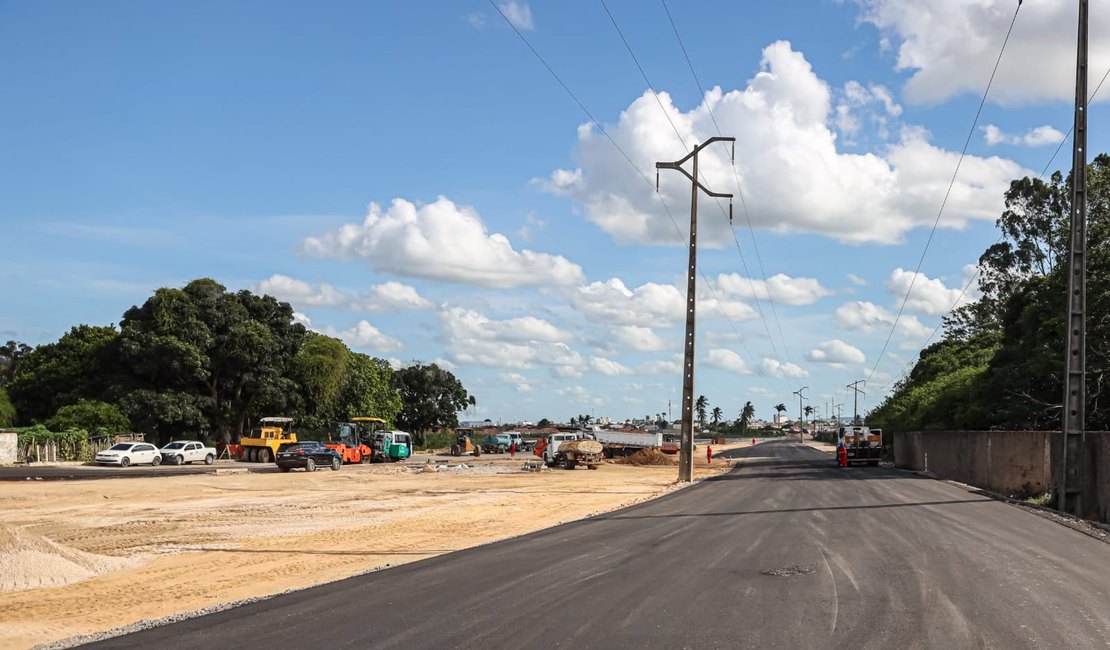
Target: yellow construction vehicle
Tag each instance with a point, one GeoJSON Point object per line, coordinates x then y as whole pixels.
{"type": "Point", "coordinates": [262, 443]}
{"type": "Point", "coordinates": [464, 444]}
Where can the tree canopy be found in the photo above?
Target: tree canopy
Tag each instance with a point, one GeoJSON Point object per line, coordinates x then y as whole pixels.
{"type": "Point", "coordinates": [202, 361]}
{"type": "Point", "coordinates": [431, 398]}
{"type": "Point", "coordinates": [1000, 363]}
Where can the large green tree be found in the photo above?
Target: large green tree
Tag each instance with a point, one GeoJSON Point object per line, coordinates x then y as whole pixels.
{"type": "Point", "coordinates": [1001, 362]}
{"type": "Point", "coordinates": [369, 389]}
{"type": "Point", "coordinates": [431, 397]}
{"type": "Point", "coordinates": [202, 348]}
{"type": "Point", "coordinates": [83, 363]}
{"type": "Point", "coordinates": [11, 355]}
{"type": "Point", "coordinates": [320, 367]}
{"type": "Point", "coordinates": [7, 411]}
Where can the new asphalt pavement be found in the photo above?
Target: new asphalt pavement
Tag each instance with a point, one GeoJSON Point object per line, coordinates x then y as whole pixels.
{"type": "Point", "coordinates": [786, 551]}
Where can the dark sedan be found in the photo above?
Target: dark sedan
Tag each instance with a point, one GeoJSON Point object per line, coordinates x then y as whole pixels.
{"type": "Point", "coordinates": [308, 455]}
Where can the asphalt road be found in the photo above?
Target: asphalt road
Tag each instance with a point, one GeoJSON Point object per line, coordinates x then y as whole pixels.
{"type": "Point", "coordinates": [787, 551]}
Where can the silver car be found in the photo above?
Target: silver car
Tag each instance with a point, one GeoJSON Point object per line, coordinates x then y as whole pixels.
{"type": "Point", "coordinates": [130, 453]}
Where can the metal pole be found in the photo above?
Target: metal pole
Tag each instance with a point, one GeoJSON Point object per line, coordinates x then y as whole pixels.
{"type": "Point", "coordinates": [801, 420]}
{"type": "Point", "coordinates": [1069, 498]}
{"type": "Point", "coordinates": [855, 399]}
{"type": "Point", "coordinates": [686, 450]}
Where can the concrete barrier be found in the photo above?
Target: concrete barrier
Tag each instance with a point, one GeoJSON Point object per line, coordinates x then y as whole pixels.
{"type": "Point", "coordinates": [1018, 463]}
{"type": "Point", "coordinates": [9, 441]}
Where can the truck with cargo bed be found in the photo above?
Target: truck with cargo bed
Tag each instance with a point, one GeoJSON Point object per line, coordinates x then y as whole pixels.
{"type": "Point", "coordinates": [569, 450]}
{"type": "Point", "coordinates": [622, 443]}
{"type": "Point", "coordinates": [863, 445]}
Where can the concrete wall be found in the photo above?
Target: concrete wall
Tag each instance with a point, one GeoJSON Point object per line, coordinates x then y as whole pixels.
{"type": "Point", "coordinates": [8, 441]}
{"type": "Point", "coordinates": [1008, 462]}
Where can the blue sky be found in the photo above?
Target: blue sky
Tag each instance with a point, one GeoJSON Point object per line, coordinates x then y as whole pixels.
{"type": "Point", "coordinates": [412, 180]}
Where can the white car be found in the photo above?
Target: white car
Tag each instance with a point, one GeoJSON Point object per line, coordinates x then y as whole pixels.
{"type": "Point", "coordinates": [187, 451]}
{"type": "Point", "coordinates": [130, 453]}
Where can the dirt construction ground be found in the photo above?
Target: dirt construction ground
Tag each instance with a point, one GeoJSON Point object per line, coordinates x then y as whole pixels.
{"type": "Point", "coordinates": [79, 558]}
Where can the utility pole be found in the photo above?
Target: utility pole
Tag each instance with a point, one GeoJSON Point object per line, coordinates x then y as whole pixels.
{"type": "Point", "coordinates": [1070, 488]}
{"type": "Point", "coordinates": [801, 417]}
{"type": "Point", "coordinates": [855, 399]}
{"type": "Point", "coordinates": [686, 451]}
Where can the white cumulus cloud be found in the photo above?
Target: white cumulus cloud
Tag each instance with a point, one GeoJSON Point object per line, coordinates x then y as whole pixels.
{"type": "Point", "coordinates": [386, 297]}
{"type": "Point", "coordinates": [793, 177]}
{"type": "Point", "coordinates": [727, 360]}
{"type": "Point", "coordinates": [517, 343]}
{"type": "Point", "coordinates": [612, 303]}
{"type": "Point", "coordinates": [868, 318]}
{"type": "Point", "coordinates": [300, 293]}
{"type": "Point", "coordinates": [929, 295]}
{"type": "Point", "coordinates": [671, 366]}
{"type": "Point", "coordinates": [635, 337]}
{"type": "Point", "coordinates": [836, 352]}
{"type": "Point", "coordinates": [780, 288]}
{"type": "Point", "coordinates": [776, 368]}
{"type": "Point", "coordinates": [951, 47]}
{"type": "Point", "coordinates": [1037, 137]}
{"type": "Point", "coordinates": [518, 13]}
{"type": "Point", "coordinates": [391, 296]}
{"type": "Point", "coordinates": [365, 335]}
{"type": "Point", "coordinates": [441, 241]}
{"type": "Point", "coordinates": [609, 367]}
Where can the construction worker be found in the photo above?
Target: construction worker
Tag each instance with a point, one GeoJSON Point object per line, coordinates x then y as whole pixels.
{"type": "Point", "coordinates": [512, 449]}
{"type": "Point", "coordinates": [709, 454]}
{"type": "Point", "coordinates": [841, 453]}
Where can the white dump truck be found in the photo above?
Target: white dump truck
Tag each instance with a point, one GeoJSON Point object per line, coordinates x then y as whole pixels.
{"type": "Point", "coordinates": [568, 450]}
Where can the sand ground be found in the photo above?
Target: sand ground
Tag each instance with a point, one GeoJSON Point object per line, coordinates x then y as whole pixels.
{"type": "Point", "coordinates": [83, 557]}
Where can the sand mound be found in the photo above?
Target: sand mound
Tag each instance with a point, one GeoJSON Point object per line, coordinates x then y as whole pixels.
{"type": "Point", "coordinates": [647, 457]}
{"type": "Point", "coordinates": [29, 561]}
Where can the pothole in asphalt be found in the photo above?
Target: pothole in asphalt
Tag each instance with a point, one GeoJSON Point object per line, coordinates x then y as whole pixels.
{"type": "Point", "coordinates": [786, 572]}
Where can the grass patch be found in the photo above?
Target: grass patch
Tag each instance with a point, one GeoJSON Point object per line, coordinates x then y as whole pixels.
{"type": "Point", "coordinates": [1044, 500]}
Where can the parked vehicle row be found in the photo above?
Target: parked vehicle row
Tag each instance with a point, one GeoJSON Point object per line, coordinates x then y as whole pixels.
{"type": "Point", "coordinates": [177, 452]}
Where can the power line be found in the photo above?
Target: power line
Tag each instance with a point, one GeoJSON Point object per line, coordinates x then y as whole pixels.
{"type": "Point", "coordinates": [743, 205]}
{"type": "Point", "coordinates": [951, 183]}
{"type": "Point", "coordinates": [978, 270]}
{"type": "Point", "coordinates": [670, 215]}
{"type": "Point", "coordinates": [682, 141]}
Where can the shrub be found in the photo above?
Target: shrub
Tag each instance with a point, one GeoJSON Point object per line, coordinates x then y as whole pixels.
{"type": "Point", "coordinates": [90, 415]}
{"type": "Point", "coordinates": [73, 444]}
{"type": "Point", "coordinates": [437, 440]}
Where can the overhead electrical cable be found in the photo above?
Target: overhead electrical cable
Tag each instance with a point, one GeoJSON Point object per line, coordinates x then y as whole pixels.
{"type": "Point", "coordinates": [757, 369]}
{"type": "Point", "coordinates": [686, 148]}
{"type": "Point", "coordinates": [743, 205]}
{"type": "Point", "coordinates": [975, 276]}
{"type": "Point", "coordinates": [951, 183]}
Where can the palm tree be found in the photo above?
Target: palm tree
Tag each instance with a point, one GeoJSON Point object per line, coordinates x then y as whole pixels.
{"type": "Point", "coordinates": [701, 405]}
{"type": "Point", "coordinates": [746, 415]}
{"type": "Point", "coordinates": [780, 408]}
{"type": "Point", "coordinates": [808, 411]}
{"type": "Point", "coordinates": [716, 416]}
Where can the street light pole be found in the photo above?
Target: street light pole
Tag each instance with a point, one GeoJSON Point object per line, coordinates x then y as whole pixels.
{"type": "Point", "coordinates": [686, 451]}
{"type": "Point", "coordinates": [801, 420]}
